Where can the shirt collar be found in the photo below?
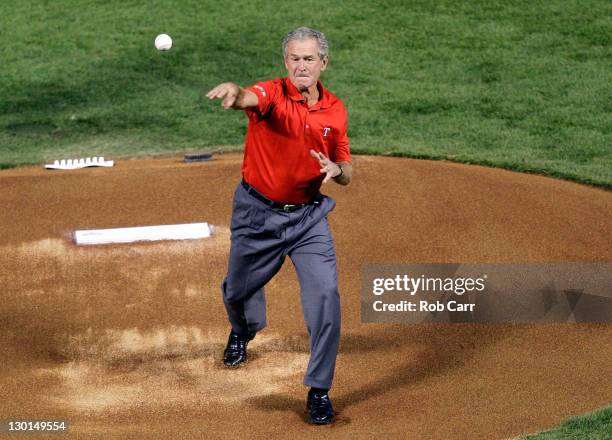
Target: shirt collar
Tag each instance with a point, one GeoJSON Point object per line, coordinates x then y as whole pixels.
{"type": "Point", "coordinates": [295, 94]}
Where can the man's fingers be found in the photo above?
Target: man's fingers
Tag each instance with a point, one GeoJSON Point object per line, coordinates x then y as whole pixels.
{"type": "Point", "coordinates": [317, 155]}
{"type": "Point", "coordinates": [221, 91]}
{"type": "Point", "coordinates": [229, 101]}
{"type": "Point", "coordinates": [225, 91]}
{"type": "Point", "coordinates": [328, 176]}
{"type": "Point", "coordinates": [329, 172]}
{"type": "Point", "coordinates": [211, 93]}
{"type": "Point", "coordinates": [214, 93]}
{"type": "Point", "coordinates": [327, 166]}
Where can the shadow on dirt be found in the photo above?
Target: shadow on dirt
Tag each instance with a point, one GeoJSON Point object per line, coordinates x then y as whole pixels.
{"type": "Point", "coordinates": [438, 347]}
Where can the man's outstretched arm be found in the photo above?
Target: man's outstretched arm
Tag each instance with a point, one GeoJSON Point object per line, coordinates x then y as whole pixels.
{"type": "Point", "coordinates": [233, 96]}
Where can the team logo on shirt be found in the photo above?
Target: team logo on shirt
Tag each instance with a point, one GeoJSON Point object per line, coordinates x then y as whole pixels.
{"type": "Point", "coordinates": [261, 89]}
{"type": "Point", "coordinates": [325, 131]}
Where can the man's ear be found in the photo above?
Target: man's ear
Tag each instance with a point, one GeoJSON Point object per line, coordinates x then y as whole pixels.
{"type": "Point", "coordinates": [325, 60]}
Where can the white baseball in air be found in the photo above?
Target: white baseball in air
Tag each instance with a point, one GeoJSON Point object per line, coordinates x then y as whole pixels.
{"type": "Point", "coordinates": [163, 42]}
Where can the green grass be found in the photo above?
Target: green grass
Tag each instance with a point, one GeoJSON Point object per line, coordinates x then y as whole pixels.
{"type": "Point", "coordinates": [523, 85]}
{"type": "Point", "coordinates": [593, 426]}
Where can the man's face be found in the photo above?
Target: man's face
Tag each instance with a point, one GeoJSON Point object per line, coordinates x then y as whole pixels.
{"type": "Point", "coordinates": [303, 63]}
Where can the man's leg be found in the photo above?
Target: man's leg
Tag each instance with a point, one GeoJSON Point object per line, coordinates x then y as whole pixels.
{"type": "Point", "coordinates": [314, 258]}
{"type": "Point", "coordinates": [243, 287]}
{"type": "Point", "coordinates": [256, 255]}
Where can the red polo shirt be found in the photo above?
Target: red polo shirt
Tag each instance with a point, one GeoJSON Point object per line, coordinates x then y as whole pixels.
{"type": "Point", "coordinates": [282, 130]}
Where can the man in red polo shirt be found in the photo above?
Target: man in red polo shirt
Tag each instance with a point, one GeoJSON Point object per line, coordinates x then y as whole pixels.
{"type": "Point", "coordinates": [296, 141]}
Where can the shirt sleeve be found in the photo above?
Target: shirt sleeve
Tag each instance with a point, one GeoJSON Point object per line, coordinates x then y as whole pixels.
{"type": "Point", "coordinates": [266, 92]}
{"type": "Point", "coordinates": [343, 150]}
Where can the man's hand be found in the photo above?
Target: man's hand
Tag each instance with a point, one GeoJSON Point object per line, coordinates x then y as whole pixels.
{"type": "Point", "coordinates": [330, 169]}
{"type": "Point", "coordinates": [233, 96]}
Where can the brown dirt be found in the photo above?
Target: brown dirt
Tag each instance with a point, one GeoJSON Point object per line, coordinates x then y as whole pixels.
{"type": "Point", "coordinates": [125, 341]}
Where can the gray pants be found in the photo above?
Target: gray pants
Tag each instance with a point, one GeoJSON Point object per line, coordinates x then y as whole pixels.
{"type": "Point", "coordinates": [261, 238]}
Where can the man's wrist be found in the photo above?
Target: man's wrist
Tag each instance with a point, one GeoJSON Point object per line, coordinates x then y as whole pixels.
{"type": "Point", "coordinates": [239, 97]}
{"type": "Point", "coordinates": [341, 171]}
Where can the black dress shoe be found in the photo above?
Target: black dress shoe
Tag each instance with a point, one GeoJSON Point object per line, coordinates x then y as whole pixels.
{"type": "Point", "coordinates": [320, 411]}
{"type": "Point", "coordinates": [235, 352]}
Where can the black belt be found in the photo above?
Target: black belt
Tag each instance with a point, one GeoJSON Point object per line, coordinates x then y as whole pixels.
{"type": "Point", "coordinates": [287, 207]}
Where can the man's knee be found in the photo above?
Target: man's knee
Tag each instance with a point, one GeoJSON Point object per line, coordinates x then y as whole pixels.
{"type": "Point", "coordinates": [232, 292]}
{"type": "Point", "coordinates": [323, 295]}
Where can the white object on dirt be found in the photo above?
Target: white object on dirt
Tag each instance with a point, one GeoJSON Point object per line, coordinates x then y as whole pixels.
{"type": "Point", "coordinates": [189, 231]}
{"type": "Point", "coordinates": [73, 164]}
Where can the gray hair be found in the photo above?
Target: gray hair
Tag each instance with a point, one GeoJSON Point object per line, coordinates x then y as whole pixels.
{"type": "Point", "coordinates": [304, 33]}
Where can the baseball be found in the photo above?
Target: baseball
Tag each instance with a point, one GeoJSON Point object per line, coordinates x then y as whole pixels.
{"type": "Point", "coordinates": [163, 42]}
